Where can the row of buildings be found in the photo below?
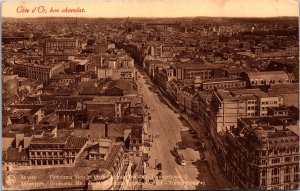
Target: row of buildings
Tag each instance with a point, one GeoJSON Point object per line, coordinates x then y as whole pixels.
{"type": "Point", "coordinates": [246, 111]}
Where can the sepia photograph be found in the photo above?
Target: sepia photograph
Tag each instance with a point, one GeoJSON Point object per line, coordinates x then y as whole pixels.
{"type": "Point", "coordinates": [150, 95]}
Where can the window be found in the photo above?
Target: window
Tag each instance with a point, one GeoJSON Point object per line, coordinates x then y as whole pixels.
{"type": "Point", "coordinates": [263, 161]}
{"type": "Point", "coordinates": [296, 177]}
{"type": "Point", "coordinates": [287, 170]}
{"type": "Point", "coordinates": [287, 159]}
{"type": "Point", "coordinates": [275, 180]}
{"type": "Point", "coordinates": [287, 187]}
{"type": "Point", "coordinates": [287, 178]}
{"type": "Point", "coordinates": [263, 173]}
{"type": "Point", "coordinates": [275, 160]}
{"type": "Point", "coordinates": [296, 186]}
{"type": "Point", "coordinates": [296, 158]}
{"type": "Point", "coordinates": [263, 181]}
{"type": "Point", "coordinates": [296, 168]}
{"type": "Point", "coordinates": [275, 171]}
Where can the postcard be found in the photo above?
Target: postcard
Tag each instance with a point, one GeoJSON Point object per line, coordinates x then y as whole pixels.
{"type": "Point", "coordinates": [150, 95]}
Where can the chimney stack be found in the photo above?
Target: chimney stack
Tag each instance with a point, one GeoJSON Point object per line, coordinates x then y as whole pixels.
{"type": "Point", "coordinates": [106, 130]}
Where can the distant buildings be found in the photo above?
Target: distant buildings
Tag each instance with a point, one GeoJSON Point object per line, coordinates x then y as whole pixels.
{"type": "Point", "coordinates": [287, 52]}
{"type": "Point", "coordinates": [59, 49]}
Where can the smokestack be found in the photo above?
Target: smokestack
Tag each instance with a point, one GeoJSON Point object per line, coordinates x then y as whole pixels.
{"type": "Point", "coordinates": [106, 130]}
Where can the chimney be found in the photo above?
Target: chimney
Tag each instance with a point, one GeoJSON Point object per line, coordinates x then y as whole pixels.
{"type": "Point", "coordinates": [106, 130]}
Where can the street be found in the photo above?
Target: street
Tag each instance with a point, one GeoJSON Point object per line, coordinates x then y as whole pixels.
{"type": "Point", "coordinates": [166, 129]}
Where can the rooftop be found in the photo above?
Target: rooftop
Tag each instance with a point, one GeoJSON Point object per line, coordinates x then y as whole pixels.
{"type": "Point", "coordinates": [75, 142]}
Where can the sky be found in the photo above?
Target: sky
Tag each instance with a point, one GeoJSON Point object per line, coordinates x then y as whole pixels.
{"type": "Point", "coordinates": [157, 8]}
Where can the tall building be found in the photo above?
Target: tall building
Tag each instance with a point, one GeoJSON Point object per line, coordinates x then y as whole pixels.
{"type": "Point", "coordinates": [228, 105]}
{"type": "Point", "coordinates": [262, 153]}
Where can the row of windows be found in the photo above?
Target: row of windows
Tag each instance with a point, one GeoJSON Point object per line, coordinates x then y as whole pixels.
{"type": "Point", "coordinates": [265, 82]}
{"type": "Point", "coordinates": [286, 187]}
{"type": "Point", "coordinates": [252, 107]}
{"type": "Point", "coordinates": [223, 85]}
{"type": "Point", "coordinates": [287, 178]}
{"type": "Point", "coordinates": [37, 147]}
{"type": "Point", "coordinates": [286, 170]}
{"type": "Point", "coordinates": [44, 154]}
{"type": "Point", "coordinates": [278, 160]}
{"type": "Point", "coordinates": [268, 102]}
{"type": "Point", "coordinates": [61, 44]}
{"type": "Point", "coordinates": [50, 162]}
{"type": "Point", "coordinates": [285, 159]}
{"type": "Point", "coordinates": [252, 102]}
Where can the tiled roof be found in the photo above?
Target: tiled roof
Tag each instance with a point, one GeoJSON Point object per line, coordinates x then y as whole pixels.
{"type": "Point", "coordinates": [123, 85]}
{"type": "Point", "coordinates": [276, 89]}
{"type": "Point", "coordinates": [268, 75]}
{"type": "Point", "coordinates": [75, 142]}
{"type": "Point", "coordinates": [14, 155]}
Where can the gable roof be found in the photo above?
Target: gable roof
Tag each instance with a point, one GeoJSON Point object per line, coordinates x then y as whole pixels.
{"type": "Point", "coordinates": [125, 86]}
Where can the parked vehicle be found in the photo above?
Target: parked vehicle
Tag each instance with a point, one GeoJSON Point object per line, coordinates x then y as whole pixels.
{"type": "Point", "coordinates": [147, 144]}
{"type": "Point", "coordinates": [159, 175]}
{"type": "Point", "coordinates": [159, 166]}
{"type": "Point", "coordinates": [181, 159]}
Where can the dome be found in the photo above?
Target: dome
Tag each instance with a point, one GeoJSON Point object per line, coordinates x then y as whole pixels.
{"type": "Point", "coordinates": [100, 180]}
{"type": "Point", "coordinates": [99, 175]}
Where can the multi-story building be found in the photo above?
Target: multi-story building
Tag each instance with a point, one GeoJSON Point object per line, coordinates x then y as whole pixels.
{"type": "Point", "coordinates": [63, 80]}
{"type": "Point", "coordinates": [39, 72]}
{"type": "Point", "coordinates": [62, 46]}
{"type": "Point", "coordinates": [201, 106]}
{"type": "Point", "coordinates": [55, 151]}
{"type": "Point", "coordinates": [262, 153]}
{"type": "Point", "coordinates": [59, 49]}
{"type": "Point", "coordinates": [255, 79]}
{"type": "Point", "coordinates": [221, 83]}
{"type": "Point", "coordinates": [185, 98]}
{"type": "Point", "coordinates": [228, 105]}
{"type": "Point", "coordinates": [192, 70]}
{"type": "Point", "coordinates": [113, 106]}
{"type": "Point", "coordinates": [120, 67]}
